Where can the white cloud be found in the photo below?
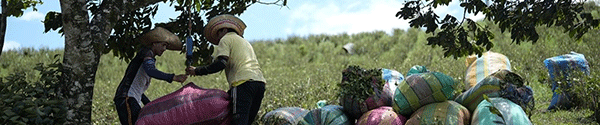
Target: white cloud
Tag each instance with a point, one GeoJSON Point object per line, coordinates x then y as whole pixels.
{"type": "Point", "coordinates": [453, 9]}
{"type": "Point", "coordinates": [345, 17]}
{"type": "Point", "coordinates": [8, 45]}
{"type": "Point", "coordinates": [32, 15]}
{"type": "Point", "coordinates": [477, 17]}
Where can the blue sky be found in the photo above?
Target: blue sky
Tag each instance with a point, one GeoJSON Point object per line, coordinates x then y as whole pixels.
{"type": "Point", "coordinates": [265, 22]}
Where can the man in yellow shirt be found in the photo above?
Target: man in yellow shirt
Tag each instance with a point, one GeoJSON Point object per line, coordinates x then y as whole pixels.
{"type": "Point", "coordinates": [236, 56]}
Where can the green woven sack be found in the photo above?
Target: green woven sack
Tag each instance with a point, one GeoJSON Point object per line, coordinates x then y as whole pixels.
{"type": "Point", "coordinates": [416, 70]}
{"type": "Point", "coordinates": [512, 114]}
{"type": "Point", "coordinates": [328, 115]}
{"type": "Point", "coordinates": [503, 83]}
{"type": "Point", "coordinates": [284, 116]}
{"type": "Point", "coordinates": [489, 86]}
{"type": "Point", "coordinates": [421, 89]}
{"type": "Point", "coordinates": [441, 113]}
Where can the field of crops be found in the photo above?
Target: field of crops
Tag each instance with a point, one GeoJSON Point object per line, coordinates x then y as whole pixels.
{"type": "Point", "coordinates": [303, 70]}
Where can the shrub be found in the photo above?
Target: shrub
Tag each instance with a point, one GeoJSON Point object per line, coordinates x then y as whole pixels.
{"type": "Point", "coordinates": [589, 93]}
{"type": "Point", "coordinates": [585, 89]}
{"type": "Point", "coordinates": [25, 102]}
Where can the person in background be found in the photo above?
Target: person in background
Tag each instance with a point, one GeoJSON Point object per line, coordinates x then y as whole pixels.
{"type": "Point", "coordinates": [236, 56]}
{"type": "Point", "coordinates": [130, 93]}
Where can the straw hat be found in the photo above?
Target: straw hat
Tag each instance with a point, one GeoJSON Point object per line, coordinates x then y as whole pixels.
{"type": "Point", "coordinates": [160, 34]}
{"type": "Point", "coordinates": [223, 21]}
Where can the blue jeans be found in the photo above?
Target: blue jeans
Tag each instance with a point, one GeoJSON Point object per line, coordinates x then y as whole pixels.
{"type": "Point", "coordinates": [247, 98]}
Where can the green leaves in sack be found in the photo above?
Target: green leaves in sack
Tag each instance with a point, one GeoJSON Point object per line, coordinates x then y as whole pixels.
{"type": "Point", "coordinates": [360, 83]}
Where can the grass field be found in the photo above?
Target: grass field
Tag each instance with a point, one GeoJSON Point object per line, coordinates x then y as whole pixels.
{"type": "Point", "coordinates": [303, 70]}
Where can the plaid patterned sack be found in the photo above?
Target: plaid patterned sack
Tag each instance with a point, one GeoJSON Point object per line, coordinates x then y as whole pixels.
{"type": "Point", "coordinates": [188, 105]}
{"type": "Point", "coordinates": [284, 116]}
{"type": "Point", "coordinates": [441, 113]}
{"type": "Point", "coordinates": [560, 67]}
{"type": "Point", "coordinates": [480, 67]}
{"type": "Point", "coordinates": [384, 115]}
{"type": "Point", "coordinates": [512, 114]}
{"type": "Point", "coordinates": [421, 89]}
{"type": "Point", "coordinates": [328, 115]}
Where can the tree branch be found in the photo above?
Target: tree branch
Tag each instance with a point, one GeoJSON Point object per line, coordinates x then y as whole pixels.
{"type": "Point", "coordinates": [110, 12]}
{"type": "Point", "coordinates": [277, 3]}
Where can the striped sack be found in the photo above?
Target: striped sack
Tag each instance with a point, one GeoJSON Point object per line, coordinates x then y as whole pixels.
{"type": "Point", "coordinates": [512, 114]}
{"type": "Point", "coordinates": [503, 83]}
{"type": "Point", "coordinates": [188, 105]}
{"type": "Point", "coordinates": [441, 113]}
{"type": "Point", "coordinates": [284, 116]}
{"type": "Point", "coordinates": [479, 68]}
{"type": "Point", "coordinates": [384, 115]}
{"type": "Point", "coordinates": [328, 115]}
{"type": "Point", "coordinates": [561, 67]}
{"type": "Point", "coordinates": [421, 89]}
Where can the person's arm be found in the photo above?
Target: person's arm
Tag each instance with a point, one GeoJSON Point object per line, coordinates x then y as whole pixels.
{"type": "Point", "coordinates": [214, 67]}
{"type": "Point", "coordinates": [145, 99]}
{"type": "Point", "coordinates": [150, 68]}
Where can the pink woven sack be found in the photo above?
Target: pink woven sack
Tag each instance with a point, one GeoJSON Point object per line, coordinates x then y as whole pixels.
{"type": "Point", "coordinates": [188, 105]}
{"type": "Point", "coordinates": [383, 115]}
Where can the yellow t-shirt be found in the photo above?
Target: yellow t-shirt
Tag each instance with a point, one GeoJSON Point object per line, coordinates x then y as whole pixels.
{"type": "Point", "coordinates": [242, 64]}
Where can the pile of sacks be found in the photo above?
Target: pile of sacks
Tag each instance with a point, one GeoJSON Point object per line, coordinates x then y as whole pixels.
{"type": "Point", "coordinates": [366, 95]}
{"type": "Point", "coordinates": [494, 95]}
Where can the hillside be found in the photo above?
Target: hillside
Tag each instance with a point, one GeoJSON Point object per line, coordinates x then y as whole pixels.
{"type": "Point", "coordinates": [303, 70]}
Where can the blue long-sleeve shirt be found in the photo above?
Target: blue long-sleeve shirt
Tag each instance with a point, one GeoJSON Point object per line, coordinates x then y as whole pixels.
{"type": "Point", "coordinates": [137, 76]}
{"type": "Point", "coordinates": [150, 68]}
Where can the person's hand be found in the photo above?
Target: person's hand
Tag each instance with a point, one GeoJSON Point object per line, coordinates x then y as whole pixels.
{"type": "Point", "coordinates": [180, 78]}
{"type": "Point", "coordinates": [190, 70]}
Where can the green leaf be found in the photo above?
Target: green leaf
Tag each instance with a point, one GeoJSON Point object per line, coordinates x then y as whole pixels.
{"type": "Point", "coordinates": [14, 118]}
{"type": "Point", "coordinates": [486, 98]}
{"type": "Point", "coordinates": [21, 123]}
{"type": "Point", "coordinates": [53, 21]}
{"type": "Point", "coordinates": [8, 100]}
{"type": "Point", "coordinates": [29, 110]}
{"type": "Point", "coordinates": [37, 110]}
{"type": "Point", "coordinates": [17, 97]}
{"type": "Point", "coordinates": [494, 110]}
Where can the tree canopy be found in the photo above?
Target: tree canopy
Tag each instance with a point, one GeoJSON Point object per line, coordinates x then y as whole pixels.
{"type": "Point", "coordinates": [462, 37]}
{"type": "Point", "coordinates": [131, 25]}
{"type": "Point", "coordinates": [13, 8]}
{"type": "Point", "coordinates": [95, 27]}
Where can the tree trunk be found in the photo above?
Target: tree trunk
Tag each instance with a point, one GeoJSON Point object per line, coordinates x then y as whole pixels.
{"type": "Point", "coordinates": [80, 62]}
{"type": "Point", "coordinates": [3, 24]}
{"type": "Point", "coordinates": [83, 46]}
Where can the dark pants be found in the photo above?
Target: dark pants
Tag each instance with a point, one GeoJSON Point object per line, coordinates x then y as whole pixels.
{"type": "Point", "coordinates": [247, 98]}
{"type": "Point", "coordinates": [128, 110]}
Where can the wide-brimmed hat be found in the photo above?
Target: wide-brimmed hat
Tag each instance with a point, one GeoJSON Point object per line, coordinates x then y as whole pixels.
{"type": "Point", "coordinates": [160, 34]}
{"type": "Point", "coordinates": [223, 21]}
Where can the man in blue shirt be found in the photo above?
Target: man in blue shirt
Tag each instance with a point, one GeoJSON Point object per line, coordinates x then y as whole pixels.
{"type": "Point", "coordinates": [130, 93]}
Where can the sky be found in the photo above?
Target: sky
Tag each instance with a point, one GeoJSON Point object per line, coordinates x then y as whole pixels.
{"type": "Point", "coordinates": [265, 22]}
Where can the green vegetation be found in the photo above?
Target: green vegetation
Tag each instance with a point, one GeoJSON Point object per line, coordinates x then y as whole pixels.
{"type": "Point", "coordinates": [28, 98]}
{"type": "Point", "coordinates": [303, 70]}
